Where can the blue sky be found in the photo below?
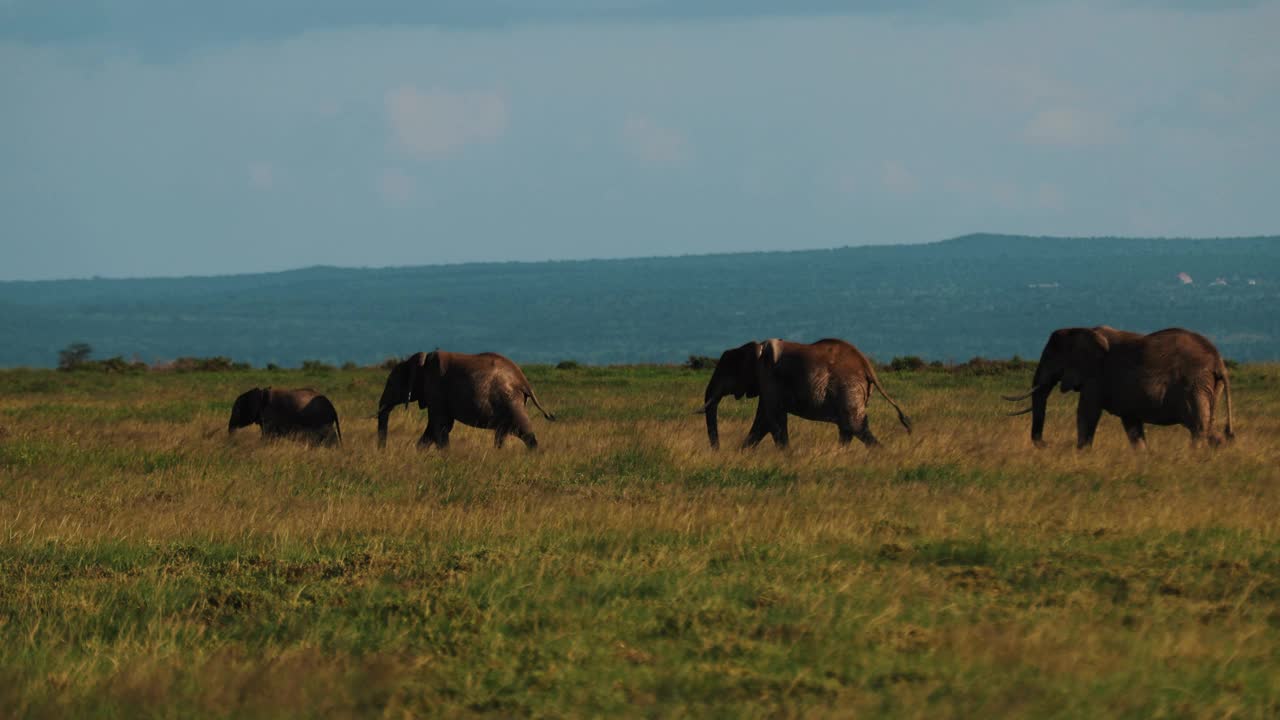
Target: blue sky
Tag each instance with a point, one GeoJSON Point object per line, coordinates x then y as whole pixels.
{"type": "Point", "coordinates": [138, 138]}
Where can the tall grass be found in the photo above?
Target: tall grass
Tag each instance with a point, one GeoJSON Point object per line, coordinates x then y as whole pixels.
{"type": "Point", "coordinates": [152, 565]}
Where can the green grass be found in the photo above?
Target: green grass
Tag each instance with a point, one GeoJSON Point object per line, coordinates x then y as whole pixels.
{"type": "Point", "coordinates": [152, 566]}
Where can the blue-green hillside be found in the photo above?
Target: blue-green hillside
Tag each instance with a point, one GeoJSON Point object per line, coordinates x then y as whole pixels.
{"type": "Point", "coordinates": [977, 295]}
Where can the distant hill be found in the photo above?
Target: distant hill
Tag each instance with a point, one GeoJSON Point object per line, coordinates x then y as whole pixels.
{"type": "Point", "coordinates": [977, 295]}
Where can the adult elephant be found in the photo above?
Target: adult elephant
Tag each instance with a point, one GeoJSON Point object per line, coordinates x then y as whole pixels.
{"type": "Point", "coordinates": [484, 391]}
{"type": "Point", "coordinates": [301, 413]}
{"type": "Point", "coordinates": [829, 381]}
{"type": "Point", "coordinates": [1170, 377]}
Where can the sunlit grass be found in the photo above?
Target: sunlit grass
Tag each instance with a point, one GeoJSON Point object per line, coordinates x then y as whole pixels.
{"type": "Point", "coordinates": [150, 564]}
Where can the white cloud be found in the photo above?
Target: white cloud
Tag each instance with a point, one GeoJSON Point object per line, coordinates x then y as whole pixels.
{"type": "Point", "coordinates": [653, 144]}
{"type": "Point", "coordinates": [262, 175]}
{"type": "Point", "coordinates": [436, 122]}
{"type": "Point", "coordinates": [395, 186]}
{"type": "Point", "coordinates": [1069, 126]}
{"type": "Point", "coordinates": [896, 178]}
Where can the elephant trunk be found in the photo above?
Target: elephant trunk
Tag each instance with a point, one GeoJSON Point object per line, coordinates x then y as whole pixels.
{"type": "Point", "coordinates": [710, 408]}
{"type": "Point", "coordinates": [398, 389]}
{"type": "Point", "coordinates": [713, 430]}
{"type": "Point", "coordinates": [384, 414]}
{"type": "Point", "coordinates": [1039, 401]}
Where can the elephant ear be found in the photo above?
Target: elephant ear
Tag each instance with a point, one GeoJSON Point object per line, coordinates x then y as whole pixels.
{"type": "Point", "coordinates": [438, 362]}
{"type": "Point", "coordinates": [1088, 348]}
{"type": "Point", "coordinates": [254, 401]}
{"type": "Point", "coordinates": [242, 409]}
{"type": "Point", "coordinates": [747, 356]}
{"type": "Point", "coordinates": [738, 368]}
{"type": "Point", "coordinates": [434, 365]}
{"type": "Point", "coordinates": [264, 399]}
{"type": "Point", "coordinates": [1098, 343]}
{"type": "Point", "coordinates": [771, 352]}
{"type": "Point", "coordinates": [415, 364]}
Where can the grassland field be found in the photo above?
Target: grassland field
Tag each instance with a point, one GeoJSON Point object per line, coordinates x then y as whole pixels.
{"type": "Point", "coordinates": [153, 566]}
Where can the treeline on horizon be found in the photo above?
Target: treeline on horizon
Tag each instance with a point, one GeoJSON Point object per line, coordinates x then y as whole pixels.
{"type": "Point", "coordinates": [976, 296]}
{"type": "Point", "coordinates": [77, 357]}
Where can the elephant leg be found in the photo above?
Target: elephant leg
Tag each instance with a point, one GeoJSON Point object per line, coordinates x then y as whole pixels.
{"type": "Point", "coordinates": [1136, 432]}
{"type": "Point", "coordinates": [774, 420]}
{"type": "Point", "coordinates": [442, 436]}
{"type": "Point", "coordinates": [521, 427]}
{"type": "Point", "coordinates": [499, 435]}
{"type": "Point", "coordinates": [857, 425]}
{"type": "Point", "coordinates": [1201, 421]}
{"type": "Point", "coordinates": [327, 436]}
{"type": "Point", "coordinates": [436, 434]}
{"type": "Point", "coordinates": [1088, 413]}
{"type": "Point", "coordinates": [866, 437]}
{"type": "Point", "coordinates": [428, 436]}
{"type": "Point", "coordinates": [530, 440]}
{"type": "Point", "coordinates": [781, 438]}
{"type": "Point", "coordinates": [759, 428]}
{"type": "Point", "coordinates": [849, 431]}
{"type": "Point", "coordinates": [1208, 400]}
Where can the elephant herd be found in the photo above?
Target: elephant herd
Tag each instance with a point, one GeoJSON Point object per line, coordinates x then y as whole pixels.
{"type": "Point", "coordinates": [1170, 377]}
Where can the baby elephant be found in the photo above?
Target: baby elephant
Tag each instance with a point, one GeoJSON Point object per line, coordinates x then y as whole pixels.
{"type": "Point", "coordinates": [304, 413]}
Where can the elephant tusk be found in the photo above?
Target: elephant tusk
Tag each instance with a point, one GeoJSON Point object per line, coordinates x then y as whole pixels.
{"type": "Point", "coordinates": [1024, 396]}
{"type": "Point", "coordinates": [1020, 412]}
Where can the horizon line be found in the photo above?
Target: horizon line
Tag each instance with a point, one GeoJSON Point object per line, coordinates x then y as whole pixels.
{"type": "Point", "coordinates": [631, 258]}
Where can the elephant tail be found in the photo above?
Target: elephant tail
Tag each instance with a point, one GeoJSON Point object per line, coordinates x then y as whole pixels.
{"type": "Point", "coordinates": [528, 393]}
{"type": "Point", "coordinates": [337, 428]}
{"type": "Point", "coordinates": [902, 417]}
{"type": "Point", "coordinates": [1226, 395]}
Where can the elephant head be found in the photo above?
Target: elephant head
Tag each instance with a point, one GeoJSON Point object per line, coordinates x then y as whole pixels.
{"type": "Point", "coordinates": [247, 409]}
{"type": "Point", "coordinates": [412, 379]}
{"type": "Point", "coordinates": [1072, 359]}
{"type": "Point", "coordinates": [736, 374]}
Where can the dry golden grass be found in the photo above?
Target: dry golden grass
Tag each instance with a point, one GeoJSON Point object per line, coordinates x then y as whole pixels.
{"type": "Point", "coordinates": [150, 564]}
